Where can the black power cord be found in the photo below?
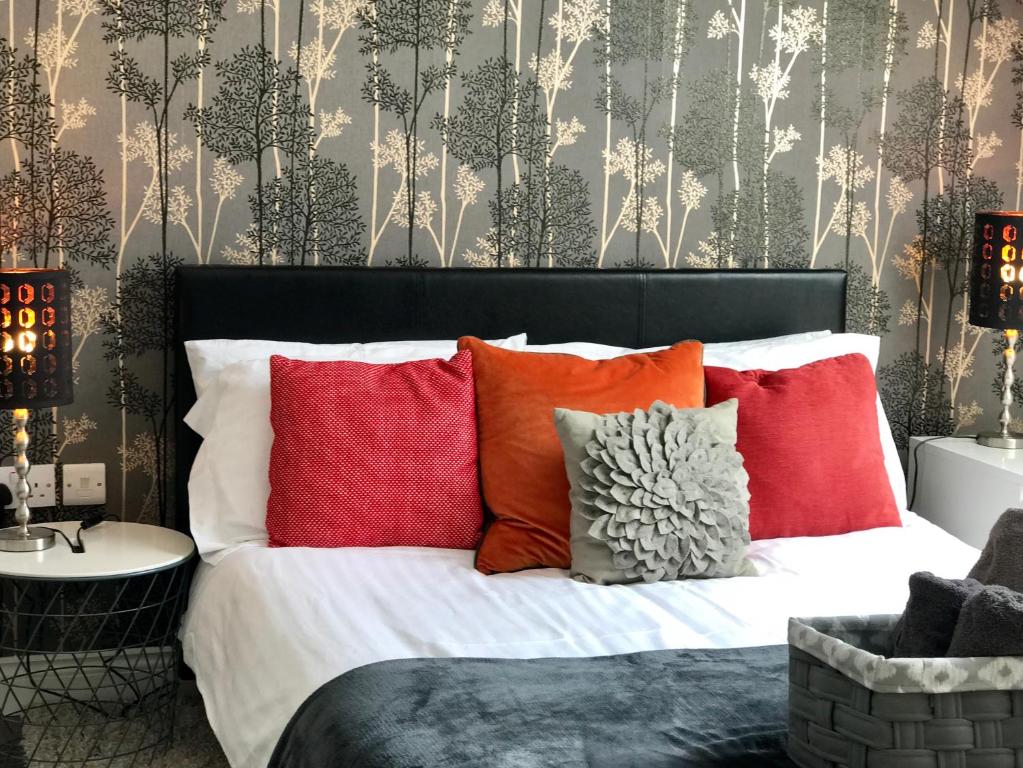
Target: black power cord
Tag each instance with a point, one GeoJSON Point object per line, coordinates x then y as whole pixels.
{"type": "Point", "coordinates": [76, 548]}
{"type": "Point", "coordinates": [91, 520]}
{"type": "Point", "coordinates": [916, 463]}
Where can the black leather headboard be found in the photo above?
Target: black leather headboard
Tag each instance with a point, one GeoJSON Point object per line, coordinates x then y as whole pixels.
{"type": "Point", "coordinates": [620, 307]}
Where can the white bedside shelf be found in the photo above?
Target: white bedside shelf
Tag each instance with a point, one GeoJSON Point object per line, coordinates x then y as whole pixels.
{"type": "Point", "coordinates": [962, 486]}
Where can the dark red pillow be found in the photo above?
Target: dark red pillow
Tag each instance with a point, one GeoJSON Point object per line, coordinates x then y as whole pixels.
{"type": "Point", "coordinates": [810, 443]}
{"type": "Point", "coordinates": [373, 455]}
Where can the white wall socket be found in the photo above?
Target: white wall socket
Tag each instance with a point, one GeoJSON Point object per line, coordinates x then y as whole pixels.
{"type": "Point", "coordinates": [42, 484]}
{"type": "Point", "coordinates": [85, 484]}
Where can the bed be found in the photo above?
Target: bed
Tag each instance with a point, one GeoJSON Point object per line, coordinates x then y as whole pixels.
{"type": "Point", "coordinates": [268, 628]}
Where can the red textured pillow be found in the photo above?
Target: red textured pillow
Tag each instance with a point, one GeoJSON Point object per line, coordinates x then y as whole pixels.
{"type": "Point", "coordinates": [810, 443]}
{"type": "Point", "coordinates": [373, 455]}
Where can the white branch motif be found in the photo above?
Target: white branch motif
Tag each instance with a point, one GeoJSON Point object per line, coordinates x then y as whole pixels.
{"type": "Point", "coordinates": [88, 305]}
{"type": "Point", "coordinates": [467, 189]}
{"type": "Point", "coordinates": [707, 256]}
{"type": "Point", "coordinates": [317, 61]}
{"type": "Point", "coordinates": [225, 180]}
{"type": "Point", "coordinates": [798, 31]}
{"type": "Point", "coordinates": [55, 48]}
{"type": "Point", "coordinates": [575, 22]}
{"type": "Point", "coordinates": [996, 45]}
{"type": "Point", "coordinates": [566, 133]}
{"type": "Point", "coordinates": [858, 220]}
{"type": "Point", "coordinates": [720, 26]}
{"type": "Point", "coordinates": [843, 166]}
{"type": "Point", "coordinates": [784, 140]}
{"type": "Point", "coordinates": [76, 431]}
{"type": "Point", "coordinates": [976, 90]}
{"type": "Point", "coordinates": [771, 81]}
{"type": "Point", "coordinates": [253, 6]}
{"type": "Point", "coordinates": [141, 454]}
{"type": "Point", "coordinates": [552, 73]}
{"type": "Point", "coordinates": [141, 145]}
{"type": "Point", "coordinates": [622, 160]}
{"type": "Point", "coordinates": [75, 115]}
{"type": "Point", "coordinates": [967, 414]}
{"type": "Point", "coordinates": [467, 185]}
{"type": "Point", "coordinates": [690, 191]}
{"type": "Point", "coordinates": [391, 153]}
{"type": "Point", "coordinates": [332, 124]}
{"type": "Point", "coordinates": [927, 35]}
{"type": "Point", "coordinates": [899, 195]}
{"type": "Point", "coordinates": [986, 144]}
{"type": "Point", "coordinates": [242, 252]}
{"type": "Point", "coordinates": [651, 218]}
{"type": "Point", "coordinates": [81, 8]}
{"type": "Point", "coordinates": [485, 253]}
{"type": "Point", "coordinates": [338, 15]}
{"type": "Point", "coordinates": [493, 13]}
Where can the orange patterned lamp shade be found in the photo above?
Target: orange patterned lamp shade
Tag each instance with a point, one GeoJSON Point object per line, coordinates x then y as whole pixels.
{"type": "Point", "coordinates": [996, 279]}
{"type": "Point", "coordinates": [35, 338]}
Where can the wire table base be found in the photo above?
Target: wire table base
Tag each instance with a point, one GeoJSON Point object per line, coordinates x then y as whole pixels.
{"type": "Point", "coordinates": [89, 669]}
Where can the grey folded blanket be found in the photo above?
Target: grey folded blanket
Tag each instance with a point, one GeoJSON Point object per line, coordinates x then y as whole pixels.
{"type": "Point", "coordinates": [718, 708]}
{"type": "Point", "coordinates": [990, 624]}
{"type": "Point", "coordinates": [927, 626]}
{"type": "Point", "coordinates": [981, 615]}
{"type": "Point", "coordinates": [1001, 562]}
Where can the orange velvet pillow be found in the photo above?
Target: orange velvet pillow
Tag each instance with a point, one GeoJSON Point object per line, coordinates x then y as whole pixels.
{"type": "Point", "coordinates": [522, 466]}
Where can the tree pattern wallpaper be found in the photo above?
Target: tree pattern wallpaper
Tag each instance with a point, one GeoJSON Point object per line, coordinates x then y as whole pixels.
{"type": "Point", "coordinates": [136, 135]}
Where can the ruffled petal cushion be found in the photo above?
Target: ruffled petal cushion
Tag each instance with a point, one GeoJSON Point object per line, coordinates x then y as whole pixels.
{"type": "Point", "coordinates": [656, 495]}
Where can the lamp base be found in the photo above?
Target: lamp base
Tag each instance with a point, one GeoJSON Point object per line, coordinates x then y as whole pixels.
{"type": "Point", "coordinates": [38, 539]}
{"type": "Point", "coordinates": [1008, 441]}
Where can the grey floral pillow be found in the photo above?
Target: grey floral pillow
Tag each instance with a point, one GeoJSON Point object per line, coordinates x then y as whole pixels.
{"type": "Point", "coordinates": [656, 495]}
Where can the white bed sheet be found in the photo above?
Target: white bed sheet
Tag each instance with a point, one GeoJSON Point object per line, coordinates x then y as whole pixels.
{"type": "Point", "coordinates": [266, 627]}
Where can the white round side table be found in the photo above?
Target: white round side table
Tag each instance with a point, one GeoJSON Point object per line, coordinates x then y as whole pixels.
{"type": "Point", "coordinates": [89, 656]}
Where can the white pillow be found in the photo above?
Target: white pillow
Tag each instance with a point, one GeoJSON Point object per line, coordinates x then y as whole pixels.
{"type": "Point", "coordinates": [592, 351]}
{"type": "Point", "coordinates": [208, 357]}
{"type": "Point", "coordinates": [774, 354]}
{"type": "Point", "coordinates": [229, 484]}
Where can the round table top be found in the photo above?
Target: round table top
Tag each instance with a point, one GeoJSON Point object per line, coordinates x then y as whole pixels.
{"type": "Point", "coordinates": [111, 550]}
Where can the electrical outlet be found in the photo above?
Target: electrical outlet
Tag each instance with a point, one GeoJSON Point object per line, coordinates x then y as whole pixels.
{"type": "Point", "coordinates": [85, 484]}
{"type": "Point", "coordinates": [42, 483]}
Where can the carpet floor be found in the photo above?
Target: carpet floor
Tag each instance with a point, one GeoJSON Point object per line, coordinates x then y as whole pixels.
{"type": "Point", "coordinates": [194, 744]}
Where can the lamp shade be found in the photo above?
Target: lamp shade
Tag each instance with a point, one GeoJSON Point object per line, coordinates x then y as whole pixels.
{"type": "Point", "coordinates": [35, 338]}
{"type": "Point", "coordinates": [996, 277]}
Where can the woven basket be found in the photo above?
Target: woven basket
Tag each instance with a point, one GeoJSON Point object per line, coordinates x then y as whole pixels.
{"type": "Point", "coordinates": [852, 707]}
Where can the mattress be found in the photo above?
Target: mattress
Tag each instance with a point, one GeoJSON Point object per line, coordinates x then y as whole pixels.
{"type": "Point", "coordinates": [266, 627]}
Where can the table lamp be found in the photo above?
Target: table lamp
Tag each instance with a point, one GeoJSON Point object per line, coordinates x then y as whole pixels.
{"type": "Point", "coordinates": [35, 372]}
{"type": "Point", "coordinates": [996, 300]}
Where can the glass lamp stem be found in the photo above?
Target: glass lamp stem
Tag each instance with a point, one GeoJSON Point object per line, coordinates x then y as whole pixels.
{"type": "Point", "coordinates": [21, 466]}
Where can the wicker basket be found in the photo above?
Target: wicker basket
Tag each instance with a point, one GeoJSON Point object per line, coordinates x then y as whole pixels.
{"type": "Point", "coordinates": [852, 707]}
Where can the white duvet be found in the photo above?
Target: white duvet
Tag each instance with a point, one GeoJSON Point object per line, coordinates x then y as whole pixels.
{"type": "Point", "coordinates": [266, 627]}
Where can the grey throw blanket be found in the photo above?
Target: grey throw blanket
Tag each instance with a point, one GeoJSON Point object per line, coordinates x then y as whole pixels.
{"type": "Point", "coordinates": [1001, 562]}
{"type": "Point", "coordinates": [656, 709]}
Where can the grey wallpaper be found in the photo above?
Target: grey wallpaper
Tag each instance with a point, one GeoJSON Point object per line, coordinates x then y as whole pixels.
{"type": "Point", "coordinates": [140, 134]}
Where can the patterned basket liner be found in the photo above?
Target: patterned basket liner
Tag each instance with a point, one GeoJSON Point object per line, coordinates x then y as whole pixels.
{"type": "Point", "coordinates": [856, 646]}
